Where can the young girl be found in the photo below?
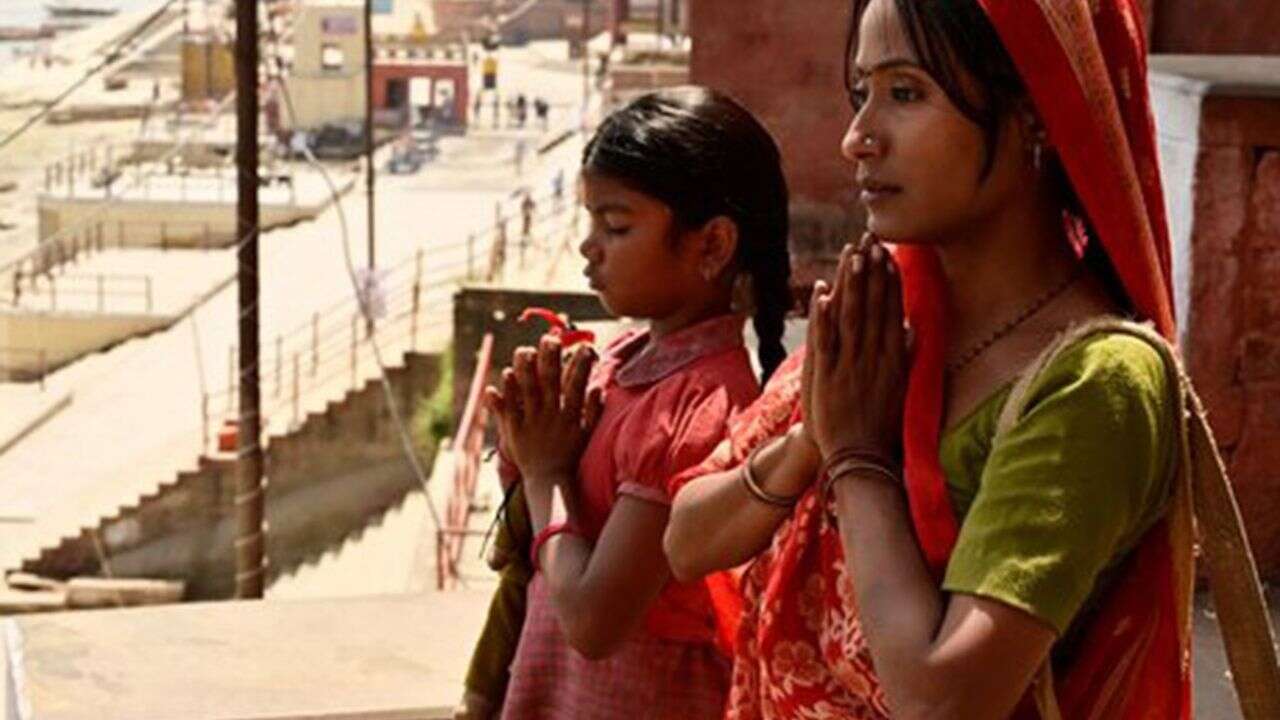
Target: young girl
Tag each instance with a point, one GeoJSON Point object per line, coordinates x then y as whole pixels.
{"type": "Point", "coordinates": [986, 520]}
{"type": "Point", "coordinates": [686, 194]}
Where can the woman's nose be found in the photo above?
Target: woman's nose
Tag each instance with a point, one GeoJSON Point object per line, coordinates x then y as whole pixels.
{"type": "Point", "coordinates": [860, 142]}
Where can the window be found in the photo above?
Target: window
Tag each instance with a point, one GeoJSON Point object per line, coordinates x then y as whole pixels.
{"type": "Point", "coordinates": [332, 57]}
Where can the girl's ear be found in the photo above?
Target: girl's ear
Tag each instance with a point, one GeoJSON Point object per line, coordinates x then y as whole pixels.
{"type": "Point", "coordinates": [717, 246]}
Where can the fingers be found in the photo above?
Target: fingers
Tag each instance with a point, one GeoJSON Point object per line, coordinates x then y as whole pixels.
{"type": "Point", "coordinates": [896, 333]}
{"type": "Point", "coordinates": [577, 375]}
{"type": "Point", "coordinates": [548, 368]}
{"type": "Point", "coordinates": [494, 401]}
{"type": "Point", "coordinates": [850, 310]}
{"type": "Point", "coordinates": [524, 366]}
{"type": "Point", "coordinates": [817, 338]}
{"type": "Point", "coordinates": [873, 321]}
{"type": "Point", "coordinates": [512, 395]}
{"type": "Point", "coordinates": [594, 408]}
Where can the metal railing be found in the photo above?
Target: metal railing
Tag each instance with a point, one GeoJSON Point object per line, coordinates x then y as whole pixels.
{"type": "Point", "coordinates": [327, 355]}
{"type": "Point", "coordinates": [103, 287]}
{"type": "Point", "coordinates": [468, 443]}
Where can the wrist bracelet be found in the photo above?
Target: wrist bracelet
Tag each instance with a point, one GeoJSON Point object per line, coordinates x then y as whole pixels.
{"type": "Point", "coordinates": [543, 537]}
{"type": "Point", "coordinates": [841, 456]}
{"type": "Point", "coordinates": [753, 486]}
{"type": "Point", "coordinates": [862, 467]}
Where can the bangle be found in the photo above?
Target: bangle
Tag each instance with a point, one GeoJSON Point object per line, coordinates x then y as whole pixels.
{"type": "Point", "coordinates": [843, 455]}
{"type": "Point", "coordinates": [543, 537]}
{"type": "Point", "coordinates": [753, 486]}
{"type": "Point", "coordinates": [863, 466]}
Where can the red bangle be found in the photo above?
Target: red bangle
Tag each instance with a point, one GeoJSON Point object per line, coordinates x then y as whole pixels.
{"type": "Point", "coordinates": [547, 533]}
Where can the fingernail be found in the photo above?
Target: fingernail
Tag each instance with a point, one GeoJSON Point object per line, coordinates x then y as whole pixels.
{"type": "Point", "coordinates": [857, 263]}
{"type": "Point", "coordinates": [877, 253]}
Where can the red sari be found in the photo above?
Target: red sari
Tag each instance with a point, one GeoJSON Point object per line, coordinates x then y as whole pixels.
{"type": "Point", "coordinates": [800, 652]}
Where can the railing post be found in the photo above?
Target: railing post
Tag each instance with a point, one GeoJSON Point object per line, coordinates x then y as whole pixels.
{"type": "Point", "coordinates": [471, 251]}
{"type": "Point", "coordinates": [231, 378]}
{"type": "Point", "coordinates": [102, 300]}
{"type": "Point", "coordinates": [279, 353]}
{"type": "Point", "coordinates": [315, 343]}
{"type": "Point", "coordinates": [53, 294]}
{"type": "Point", "coordinates": [204, 422]}
{"type": "Point", "coordinates": [147, 280]}
{"type": "Point", "coordinates": [296, 390]}
{"type": "Point", "coordinates": [355, 330]}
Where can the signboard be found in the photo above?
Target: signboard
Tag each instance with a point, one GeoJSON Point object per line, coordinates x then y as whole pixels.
{"type": "Point", "coordinates": [489, 70]}
{"type": "Point", "coordinates": [339, 25]}
{"type": "Point", "coordinates": [383, 7]}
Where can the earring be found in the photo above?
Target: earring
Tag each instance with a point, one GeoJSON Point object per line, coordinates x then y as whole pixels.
{"type": "Point", "coordinates": [1037, 156]}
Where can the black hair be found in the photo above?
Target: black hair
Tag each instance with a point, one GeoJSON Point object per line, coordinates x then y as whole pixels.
{"type": "Point", "coordinates": [705, 156]}
{"type": "Point", "coordinates": [958, 46]}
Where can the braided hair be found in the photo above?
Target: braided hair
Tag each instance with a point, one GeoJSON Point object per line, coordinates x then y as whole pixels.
{"type": "Point", "coordinates": [705, 156]}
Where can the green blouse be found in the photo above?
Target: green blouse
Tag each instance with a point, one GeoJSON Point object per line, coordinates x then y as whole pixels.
{"type": "Point", "coordinates": [1048, 514]}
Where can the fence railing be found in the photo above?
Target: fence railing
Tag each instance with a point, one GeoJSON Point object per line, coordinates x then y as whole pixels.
{"type": "Point", "coordinates": [328, 354]}
{"type": "Point", "coordinates": [468, 444]}
{"type": "Point", "coordinates": [66, 291]}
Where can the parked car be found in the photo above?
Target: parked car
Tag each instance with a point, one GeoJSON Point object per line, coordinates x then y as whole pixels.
{"type": "Point", "coordinates": [338, 141]}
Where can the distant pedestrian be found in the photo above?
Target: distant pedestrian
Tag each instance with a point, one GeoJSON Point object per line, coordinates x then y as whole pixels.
{"type": "Point", "coordinates": [557, 188]}
{"type": "Point", "coordinates": [542, 110]}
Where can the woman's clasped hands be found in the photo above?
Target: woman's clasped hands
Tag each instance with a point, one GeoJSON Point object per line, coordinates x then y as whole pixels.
{"type": "Point", "coordinates": [858, 360]}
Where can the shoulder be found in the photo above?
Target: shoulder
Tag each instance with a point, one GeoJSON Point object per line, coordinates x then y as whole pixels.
{"type": "Point", "coordinates": [1106, 370]}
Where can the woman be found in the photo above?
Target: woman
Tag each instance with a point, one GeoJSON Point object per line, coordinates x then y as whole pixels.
{"type": "Point", "coordinates": [920, 550]}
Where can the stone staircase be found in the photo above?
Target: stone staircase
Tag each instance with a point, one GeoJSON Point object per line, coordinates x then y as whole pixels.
{"type": "Point", "coordinates": [340, 466]}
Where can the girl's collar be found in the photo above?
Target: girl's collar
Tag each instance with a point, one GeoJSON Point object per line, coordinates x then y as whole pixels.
{"type": "Point", "coordinates": [643, 362]}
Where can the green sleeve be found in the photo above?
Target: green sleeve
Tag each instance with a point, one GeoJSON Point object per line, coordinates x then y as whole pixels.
{"type": "Point", "coordinates": [1073, 485]}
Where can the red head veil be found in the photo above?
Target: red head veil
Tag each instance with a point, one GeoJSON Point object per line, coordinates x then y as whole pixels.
{"type": "Point", "coordinates": [1084, 64]}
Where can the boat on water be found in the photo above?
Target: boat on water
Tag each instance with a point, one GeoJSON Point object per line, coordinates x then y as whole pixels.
{"type": "Point", "coordinates": [81, 8]}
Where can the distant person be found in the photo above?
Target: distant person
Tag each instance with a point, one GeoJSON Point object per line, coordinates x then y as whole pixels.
{"type": "Point", "coordinates": [557, 188]}
{"type": "Point", "coordinates": [542, 110]}
{"type": "Point", "coordinates": [522, 110]}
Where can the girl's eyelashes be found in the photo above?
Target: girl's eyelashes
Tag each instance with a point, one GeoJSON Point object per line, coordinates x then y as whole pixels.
{"type": "Point", "coordinates": [616, 230]}
{"type": "Point", "coordinates": [858, 96]}
{"type": "Point", "coordinates": [905, 92]}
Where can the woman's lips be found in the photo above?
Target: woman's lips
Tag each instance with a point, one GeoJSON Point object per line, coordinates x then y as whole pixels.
{"type": "Point", "coordinates": [876, 192]}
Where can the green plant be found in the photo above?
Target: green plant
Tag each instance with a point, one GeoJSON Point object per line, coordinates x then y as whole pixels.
{"type": "Point", "coordinates": [433, 416]}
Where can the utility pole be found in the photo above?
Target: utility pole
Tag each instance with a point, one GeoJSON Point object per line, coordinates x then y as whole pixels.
{"type": "Point", "coordinates": [249, 542]}
{"type": "Point", "coordinates": [586, 53]}
{"type": "Point", "coordinates": [368, 148]}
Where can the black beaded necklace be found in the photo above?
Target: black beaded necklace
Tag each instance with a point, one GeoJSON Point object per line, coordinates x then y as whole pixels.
{"type": "Point", "coordinates": [1009, 326]}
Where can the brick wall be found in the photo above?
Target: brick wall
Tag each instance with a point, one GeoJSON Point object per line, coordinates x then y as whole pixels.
{"type": "Point", "coordinates": [1220, 151]}
{"type": "Point", "coordinates": [783, 60]}
{"type": "Point", "coordinates": [1216, 27]}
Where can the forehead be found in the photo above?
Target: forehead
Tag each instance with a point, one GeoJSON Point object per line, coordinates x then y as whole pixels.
{"type": "Point", "coordinates": [882, 37]}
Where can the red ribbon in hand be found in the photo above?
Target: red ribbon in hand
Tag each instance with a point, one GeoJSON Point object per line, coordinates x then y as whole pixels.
{"type": "Point", "coordinates": [569, 334]}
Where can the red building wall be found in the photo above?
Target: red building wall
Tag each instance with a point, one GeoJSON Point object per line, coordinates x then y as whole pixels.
{"type": "Point", "coordinates": [784, 61]}
{"type": "Point", "coordinates": [1216, 27]}
{"type": "Point", "coordinates": [457, 72]}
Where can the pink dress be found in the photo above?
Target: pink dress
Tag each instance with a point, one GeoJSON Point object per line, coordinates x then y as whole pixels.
{"type": "Point", "coordinates": [667, 405]}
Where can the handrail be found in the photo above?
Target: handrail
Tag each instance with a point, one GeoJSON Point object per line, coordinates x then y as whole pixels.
{"type": "Point", "coordinates": [467, 446]}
